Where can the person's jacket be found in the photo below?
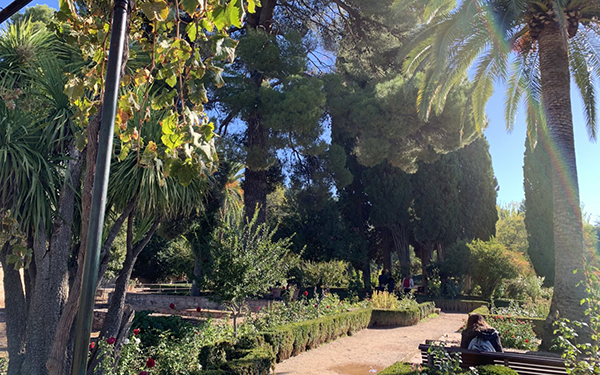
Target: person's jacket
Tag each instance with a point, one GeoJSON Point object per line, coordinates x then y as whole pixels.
{"type": "Point", "coordinates": [489, 334]}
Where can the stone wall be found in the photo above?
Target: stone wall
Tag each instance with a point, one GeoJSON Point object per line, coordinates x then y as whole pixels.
{"type": "Point", "coordinates": [161, 302]}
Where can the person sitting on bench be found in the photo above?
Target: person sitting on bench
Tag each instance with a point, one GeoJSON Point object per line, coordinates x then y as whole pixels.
{"type": "Point", "coordinates": [480, 336]}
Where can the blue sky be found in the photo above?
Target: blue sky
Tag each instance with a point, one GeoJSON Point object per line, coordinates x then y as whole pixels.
{"type": "Point", "coordinates": [507, 149]}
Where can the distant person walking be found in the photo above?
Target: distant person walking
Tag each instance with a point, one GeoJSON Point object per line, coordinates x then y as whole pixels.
{"type": "Point", "coordinates": [383, 279]}
{"type": "Point", "coordinates": [408, 284]}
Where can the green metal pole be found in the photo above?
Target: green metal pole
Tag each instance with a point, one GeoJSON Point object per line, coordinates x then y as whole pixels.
{"type": "Point", "coordinates": [105, 146]}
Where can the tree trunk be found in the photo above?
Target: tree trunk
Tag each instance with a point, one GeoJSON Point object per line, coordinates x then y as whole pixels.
{"type": "Point", "coordinates": [56, 361]}
{"type": "Point", "coordinates": [16, 312]}
{"type": "Point", "coordinates": [197, 276]}
{"type": "Point", "coordinates": [400, 236]}
{"type": "Point", "coordinates": [114, 316]}
{"type": "Point", "coordinates": [255, 176]}
{"type": "Point", "coordinates": [426, 252]}
{"type": "Point", "coordinates": [43, 313]}
{"type": "Point", "coordinates": [367, 276]}
{"type": "Point", "coordinates": [568, 226]}
{"type": "Point", "coordinates": [386, 244]}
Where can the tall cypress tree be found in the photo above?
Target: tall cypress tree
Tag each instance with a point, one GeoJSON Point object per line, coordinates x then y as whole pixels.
{"type": "Point", "coordinates": [537, 183]}
{"type": "Point", "coordinates": [477, 192]}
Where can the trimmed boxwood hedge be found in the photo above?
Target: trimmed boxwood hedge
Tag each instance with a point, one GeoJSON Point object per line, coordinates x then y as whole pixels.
{"type": "Point", "coordinates": [401, 318]}
{"type": "Point", "coordinates": [401, 368]}
{"type": "Point", "coordinates": [256, 355]}
{"type": "Point", "coordinates": [292, 339]}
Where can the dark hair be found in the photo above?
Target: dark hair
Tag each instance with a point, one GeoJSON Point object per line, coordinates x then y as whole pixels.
{"type": "Point", "coordinates": [476, 322]}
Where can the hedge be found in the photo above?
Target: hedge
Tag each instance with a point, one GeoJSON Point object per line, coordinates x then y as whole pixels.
{"type": "Point", "coordinates": [401, 368]}
{"type": "Point", "coordinates": [401, 318]}
{"type": "Point", "coordinates": [292, 339]}
{"type": "Point", "coordinates": [258, 354]}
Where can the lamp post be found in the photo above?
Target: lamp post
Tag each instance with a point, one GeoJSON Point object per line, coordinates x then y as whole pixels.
{"type": "Point", "coordinates": [98, 206]}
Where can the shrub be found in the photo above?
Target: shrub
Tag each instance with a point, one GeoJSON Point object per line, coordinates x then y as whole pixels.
{"type": "Point", "coordinates": [583, 357]}
{"type": "Point", "coordinates": [514, 332]}
{"type": "Point", "coordinates": [400, 368]}
{"type": "Point", "coordinates": [385, 300]}
{"type": "Point", "coordinates": [402, 317]}
{"type": "Point", "coordinates": [492, 263]}
{"type": "Point", "coordinates": [495, 370]}
{"type": "Point", "coordinates": [296, 311]}
{"type": "Point", "coordinates": [294, 338]}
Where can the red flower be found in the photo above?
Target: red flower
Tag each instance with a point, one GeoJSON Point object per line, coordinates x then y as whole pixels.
{"type": "Point", "coordinates": [198, 309]}
{"type": "Point", "coordinates": [92, 345]}
{"type": "Point", "coordinates": [136, 331]}
{"type": "Point", "coordinates": [513, 336]}
{"type": "Point", "coordinates": [172, 306]}
{"type": "Point", "coordinates": [150, 363]}
{"type": "Point", "coordinates": [144, 373]}
{"type": "Point", "coordinates": [527, 341]}
{"type": "Point", "coordinates": [327, 306]}
{"type": "Point", "coordinates": [111, 341]}
{"type": "Point", "coordinates": [305, 293]}
{"type": "Point", "coordinates": [316, 306]}
{"type": "Point", "coordinates": [283, 287]}
{"type": "Point", "coordinates": [258, 308]}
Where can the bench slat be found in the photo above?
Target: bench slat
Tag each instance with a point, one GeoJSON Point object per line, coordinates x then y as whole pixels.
{"type": "Point", "coordinates": [524, 364]}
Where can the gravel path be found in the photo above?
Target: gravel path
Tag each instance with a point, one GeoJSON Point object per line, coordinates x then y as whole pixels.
{"type": "Point", "coordinates": [371, 350]}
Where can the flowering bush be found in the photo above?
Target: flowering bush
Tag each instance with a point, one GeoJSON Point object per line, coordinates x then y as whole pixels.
{"type": "Point", "coordinates": [537, 309]}
{"type": "Point", "coordinates": [514, 333]}
{"type": "Point", "coordinates": [385, 300]}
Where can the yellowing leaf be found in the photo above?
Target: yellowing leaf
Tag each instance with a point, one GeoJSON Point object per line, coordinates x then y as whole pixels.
{"type": "Point", "coordinates": [252, 4]}
{"type": "Point", "coordinates": [156, 10]}
{"type": "Point", "coordinates": [169, 124]}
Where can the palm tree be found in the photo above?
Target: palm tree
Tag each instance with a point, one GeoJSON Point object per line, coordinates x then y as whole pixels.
{"type": "Point", "coordinates": [533, 46]}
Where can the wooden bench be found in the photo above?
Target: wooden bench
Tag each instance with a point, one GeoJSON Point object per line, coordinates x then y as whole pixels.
{"type": "Point", "coordinates": [524, 364]}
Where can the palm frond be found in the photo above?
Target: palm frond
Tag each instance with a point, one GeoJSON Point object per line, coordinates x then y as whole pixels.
{"type": "Point", "coordinates": [581, 70]}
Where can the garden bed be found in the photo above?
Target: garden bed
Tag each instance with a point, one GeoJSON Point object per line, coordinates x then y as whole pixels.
{"type": "Point", "coordinates": [401, 368]}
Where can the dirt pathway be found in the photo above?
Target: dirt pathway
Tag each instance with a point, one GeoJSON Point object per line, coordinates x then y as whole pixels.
{"type": "Point", "coordinates": [371, 350]}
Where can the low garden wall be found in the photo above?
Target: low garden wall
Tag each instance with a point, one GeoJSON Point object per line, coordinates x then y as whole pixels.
{"type": "Point", "coordinates": [161, 302]}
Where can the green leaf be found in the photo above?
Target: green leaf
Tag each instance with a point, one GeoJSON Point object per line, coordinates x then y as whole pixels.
{"type": "Point", "coordinates": [125, 148]}
{"type": "Point", "coordinates": [171, 80]}
{"type": "Point", "coordinates": [235, 13]}
{"type": "Point", "coordinates": [192, 31]}
{"type": "Point", "coordinates": [190, 6]}
{"type": "Point", "coordinates": [75, 88]}
{"type": "Point", "coordinates": [224, 48]}
{"type": "Point", "coordinates": [182, 49]}
{"type": "Point", "coordinates": [172, 141]}
{"type": "Point", "coordinates": [67, 6]}
{"type": "Point", "coordinates": [156, 10]}
{"type": "Point", "coordinates": [164, 99]}
{"type": "Point", "coordinates": [197, 93]}
{"type": "Point", "coordinates": [219, 17]}
{"type": "Point", "coordinates": [217, 76]}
